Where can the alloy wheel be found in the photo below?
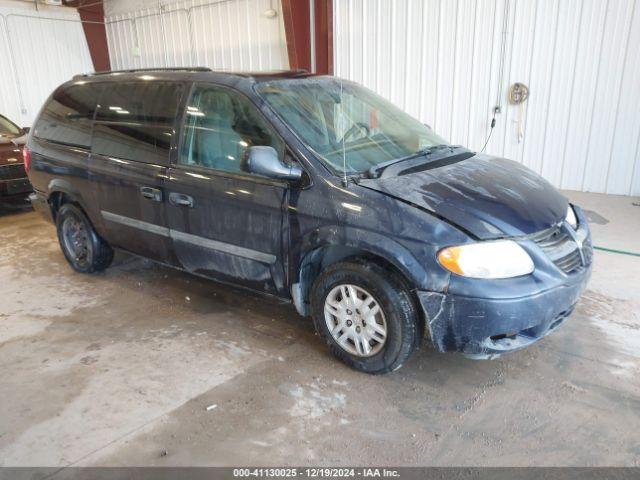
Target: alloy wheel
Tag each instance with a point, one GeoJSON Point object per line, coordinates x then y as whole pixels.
{"type": "Point", "coordinates": [355, 320]}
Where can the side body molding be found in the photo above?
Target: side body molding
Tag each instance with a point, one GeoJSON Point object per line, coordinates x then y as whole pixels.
{"type": "Point", "coordinates": [189, 238]}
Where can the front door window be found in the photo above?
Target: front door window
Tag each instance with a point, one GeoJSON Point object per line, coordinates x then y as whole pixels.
{"type": "Point", "coordinates": [220, 126]}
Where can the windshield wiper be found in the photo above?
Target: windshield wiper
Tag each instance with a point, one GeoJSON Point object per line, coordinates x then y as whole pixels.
{"type": "Point", "coordinates": [376, 170]}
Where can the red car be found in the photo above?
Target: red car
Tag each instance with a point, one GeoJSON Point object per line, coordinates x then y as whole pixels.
{"type": "Point", "coordinates": [13, 178]}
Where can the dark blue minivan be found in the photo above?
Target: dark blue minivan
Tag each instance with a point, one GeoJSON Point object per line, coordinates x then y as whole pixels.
{"type": "Point", "coordinates": [315, 190]}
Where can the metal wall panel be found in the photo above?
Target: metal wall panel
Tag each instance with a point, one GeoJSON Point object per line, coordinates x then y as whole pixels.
{"type": "Point", "coordinates": [223, 35]}
{"type": "Point", "coordinates": [440, 61]}
{"type": "Point", "coordinates": [40, 50]}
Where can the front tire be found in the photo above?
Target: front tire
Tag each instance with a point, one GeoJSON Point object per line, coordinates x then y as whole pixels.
{"type": "Point", "coordinates": [366, 316]}
{"type": "Point", "coordinates": [81, 245]}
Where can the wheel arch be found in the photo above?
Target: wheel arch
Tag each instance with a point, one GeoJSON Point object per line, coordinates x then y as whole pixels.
{"type": "Point", "coordinates": [61, 192]}
{"type": "Point", "coordinates": [377, 249]}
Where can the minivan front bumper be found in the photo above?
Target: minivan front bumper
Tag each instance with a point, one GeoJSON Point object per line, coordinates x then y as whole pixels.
{"type": "Point", "coordinates": [528, 310]}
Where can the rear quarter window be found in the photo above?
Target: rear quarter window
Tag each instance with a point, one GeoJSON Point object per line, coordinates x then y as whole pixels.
{"type": "Point", "coordinates": [68, 116]}
{"type": "Point", "coordinates": [135, 121]}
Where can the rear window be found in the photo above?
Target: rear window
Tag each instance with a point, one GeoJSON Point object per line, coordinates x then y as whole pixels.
{"type": "Point", "coordinates": [135, 121]}
{"type": "Point", "coordinates": [66, 119]}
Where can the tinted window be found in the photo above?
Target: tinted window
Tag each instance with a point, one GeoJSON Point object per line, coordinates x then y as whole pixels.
{"type": "Point", "coordinates": [67, 117]}
{"type": "Point", "coordinates": [220, 125]}
{"type": "Point", "coordinates": [135, 121]}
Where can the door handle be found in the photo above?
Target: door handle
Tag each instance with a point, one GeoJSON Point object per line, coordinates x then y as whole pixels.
{"type": "Point", "coordinates": [181, 200]}
{"type": "Point", "coordinates": [154, 194]}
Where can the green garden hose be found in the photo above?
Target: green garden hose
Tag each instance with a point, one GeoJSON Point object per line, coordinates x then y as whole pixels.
{"type": "Point", "coordinates": [622, 252]}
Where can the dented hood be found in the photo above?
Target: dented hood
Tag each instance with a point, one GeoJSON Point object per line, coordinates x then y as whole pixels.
{"type": "Point", "coordinates": [486, 196]}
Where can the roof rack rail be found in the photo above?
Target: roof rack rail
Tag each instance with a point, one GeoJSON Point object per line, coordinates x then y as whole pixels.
{"type": "Point", "coordinates": [135, 70]}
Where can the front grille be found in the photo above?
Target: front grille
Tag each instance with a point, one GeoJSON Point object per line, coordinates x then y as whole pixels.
{"type": "Point", "coordinates": [550, 239]}
{"type": "Point", "coordinates": [560, 247]}
{"type": "Point", "coordinates": [11, 172]}
{"type": "Point", "coordinates": [569, 262]}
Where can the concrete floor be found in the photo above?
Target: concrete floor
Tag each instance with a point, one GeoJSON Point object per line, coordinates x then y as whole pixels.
{"type": "Point", "coordinates": [120, 369]}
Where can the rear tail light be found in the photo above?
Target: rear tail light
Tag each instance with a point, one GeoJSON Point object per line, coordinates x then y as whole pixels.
{"type": "Point", "coordinates": [26, 156]}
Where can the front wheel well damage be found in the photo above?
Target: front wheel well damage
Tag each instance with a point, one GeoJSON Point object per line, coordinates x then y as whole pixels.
{"type": "Point", "coordinates": [319, 259]}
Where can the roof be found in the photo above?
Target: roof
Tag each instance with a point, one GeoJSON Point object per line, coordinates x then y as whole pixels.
{"type": "Point", "coordinates": [167, 72]}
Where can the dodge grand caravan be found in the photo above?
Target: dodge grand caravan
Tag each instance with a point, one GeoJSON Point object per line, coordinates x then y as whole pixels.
{"type": "Point", "coordinates": [314, 190]}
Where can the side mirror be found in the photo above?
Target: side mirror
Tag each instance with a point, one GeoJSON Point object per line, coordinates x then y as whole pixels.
{"type": "Point", "coordinates": [26, 130]}
{"type": "Point", "coordinates": [264, 161]}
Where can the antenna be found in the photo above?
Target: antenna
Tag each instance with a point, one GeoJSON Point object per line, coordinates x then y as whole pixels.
{"type": "Point", "coordinates": [345, 180]}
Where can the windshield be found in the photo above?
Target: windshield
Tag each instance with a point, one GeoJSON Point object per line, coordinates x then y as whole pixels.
{"type": "Point", "coordinates": [8, 127]}
{"type": "Point", "coordinates": [327, 116]}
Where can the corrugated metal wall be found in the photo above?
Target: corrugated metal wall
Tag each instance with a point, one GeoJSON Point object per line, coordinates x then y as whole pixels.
{"type": "Point", "coordinates": [39, 49]}
{"type": "Point", "coordinates": [225, 34]}
{"type": "Point", "coordinates": [440, 60]}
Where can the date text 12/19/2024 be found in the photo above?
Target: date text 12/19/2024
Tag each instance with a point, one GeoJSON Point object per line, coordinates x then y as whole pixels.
{"type": "Point", "coordinates": [315, 473]}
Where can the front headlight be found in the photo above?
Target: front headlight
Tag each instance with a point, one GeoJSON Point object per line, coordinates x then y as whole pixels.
{"type": "Point", "coordinates": [571, 218]}
{"type": "Point", "coordinates": [499, 259]}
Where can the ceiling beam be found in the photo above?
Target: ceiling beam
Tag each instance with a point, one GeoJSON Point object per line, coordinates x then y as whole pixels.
{"type": "Point", "coordinates": [298, 32]}
{"type": "Point", "coordinates": [92, 11]}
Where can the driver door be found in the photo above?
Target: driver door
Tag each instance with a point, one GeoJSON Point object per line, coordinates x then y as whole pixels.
{"type": "Point", "coordinates": [226, 223]}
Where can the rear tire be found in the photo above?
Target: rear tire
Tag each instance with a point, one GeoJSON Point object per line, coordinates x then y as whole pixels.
{"type": "Point", "coordinates": [343, 301]}
{"type": "Point", "coordinates": [81, 245]}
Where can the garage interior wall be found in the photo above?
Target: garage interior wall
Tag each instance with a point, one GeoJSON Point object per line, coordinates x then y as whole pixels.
{"type": "Point", "coordinates": [222, 34]}
{"type": "Point", "coordinates": [39, 49]}
{"type": "Point", "coordinates": [441, 60]}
